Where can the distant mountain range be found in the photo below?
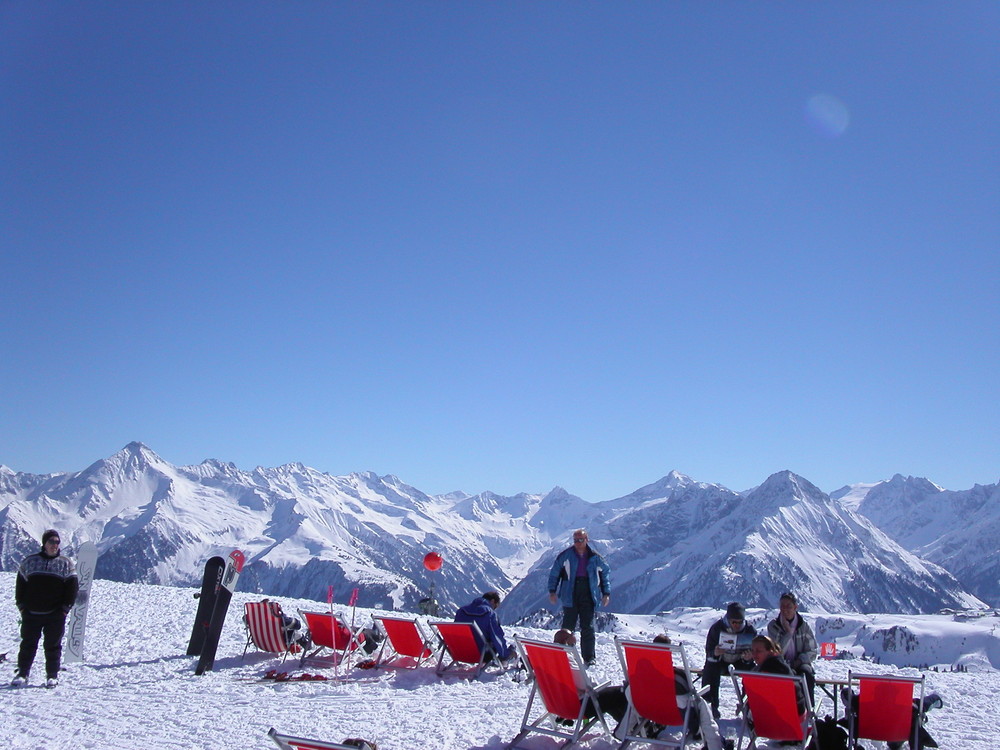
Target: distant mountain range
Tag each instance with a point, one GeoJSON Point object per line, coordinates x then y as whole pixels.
{"type": "Point", "coordinates": [904, 545]}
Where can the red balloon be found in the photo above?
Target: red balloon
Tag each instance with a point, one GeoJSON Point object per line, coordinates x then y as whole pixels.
{"type": "Point", "coordinates": [433, 561]}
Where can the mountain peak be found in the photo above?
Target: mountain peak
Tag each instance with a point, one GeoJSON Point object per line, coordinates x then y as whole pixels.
{"type": "Point", "coordinates": [787, 487]}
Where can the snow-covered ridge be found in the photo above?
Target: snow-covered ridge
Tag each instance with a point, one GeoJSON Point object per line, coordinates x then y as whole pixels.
{"type": "Point", "coordinates": [674, 542]}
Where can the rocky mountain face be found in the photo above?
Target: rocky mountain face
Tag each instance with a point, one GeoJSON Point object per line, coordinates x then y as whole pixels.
{"type": "Point", "coordinates": [686, 544]}
{"type": "Point", "coordinates": [301, 530]}
{"type": "Point", "coordinates": [958, 530]}
{"type": "Point", "coordinates": [676, 542]}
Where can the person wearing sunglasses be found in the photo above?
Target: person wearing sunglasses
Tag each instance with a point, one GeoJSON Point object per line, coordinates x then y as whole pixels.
{"type": "Point", "coordinates": [45, 591]}
{"type": "Point", "coordinates": [728, 642]}
{"type": "Point", "coordinates": [580, 579]}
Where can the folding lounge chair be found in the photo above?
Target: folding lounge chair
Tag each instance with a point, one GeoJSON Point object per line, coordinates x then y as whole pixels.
{"type": "Point", "coordinates": [329, 631]}
{"type": "Point", "coordinates": [266, 630]}
{"type": "Point", "coordinates": [560, 679]}
{"type": "Point", "coordinates": [288, 742]}
{"type": "Point", "coordinates": [463, 643]}
{"type": "Point", "coordinates": [405, 641]}
{"type": "Point", "coordinates": [770, 709]}
{"type": "Point", "coordinates": [885, 708]}
{"type": "Point", "coordinates": [652, 691]}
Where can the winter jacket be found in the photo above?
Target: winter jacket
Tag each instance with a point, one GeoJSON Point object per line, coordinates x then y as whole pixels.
{"type": "Point", "coordinates": [747, 632]}
{"type": "Point", "coordinates": [564, 570]}
{"type": "Point", "coordinates": [45, 584]}
{"type": "Point", "coordinates": [482, 613]}
{"type": "Point", "coordinates": [805, 642]}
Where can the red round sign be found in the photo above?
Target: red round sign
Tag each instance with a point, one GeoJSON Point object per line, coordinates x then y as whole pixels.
{"type": "Point", "coordinates": [433, 561]}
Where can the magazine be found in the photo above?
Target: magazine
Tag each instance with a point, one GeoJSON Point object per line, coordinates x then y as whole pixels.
{"type": "Point", "coordinates": [734, 643]}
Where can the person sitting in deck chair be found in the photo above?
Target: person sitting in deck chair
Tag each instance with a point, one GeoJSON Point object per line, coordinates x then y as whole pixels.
{"type": "Point", "coordinates": [614, 702]}
{"type": "Point", "coordinates": [482, 611]}
{"type": "Point", "coordinates": [291, 626]}
{"type": "Point", "coordinates": [766, 655]}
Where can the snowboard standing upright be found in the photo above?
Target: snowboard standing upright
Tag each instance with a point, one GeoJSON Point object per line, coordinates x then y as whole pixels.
{"type": "Point", "coordinates": [223, 594]}
{"type": "Point", "coordinates": [86, 562]}
{"type": "Point", "coordinates": [210, 584]}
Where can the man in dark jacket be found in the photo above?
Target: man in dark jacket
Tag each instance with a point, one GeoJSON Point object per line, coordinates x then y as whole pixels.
{"type": "Point", "coordinates": [728, 642]}
{"type": "Point", "coordinates": [44, 592]}
{"type": "Point", "coordinates": [482, 611]}
{"type": "Point", "coordinates": [580, 579]}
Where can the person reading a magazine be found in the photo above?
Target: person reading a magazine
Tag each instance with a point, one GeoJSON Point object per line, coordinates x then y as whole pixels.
{"type": "Point", "coordinates": [728, 642]}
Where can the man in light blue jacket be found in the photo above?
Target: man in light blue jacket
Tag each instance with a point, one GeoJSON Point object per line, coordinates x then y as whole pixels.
{"type": "Point", "coordinates": [580, 578]}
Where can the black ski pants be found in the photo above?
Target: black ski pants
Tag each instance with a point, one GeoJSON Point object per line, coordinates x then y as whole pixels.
{"type": "Point", "coordinates": [582, 610]}
{"type": "Point", "coordinates": [33, 627]}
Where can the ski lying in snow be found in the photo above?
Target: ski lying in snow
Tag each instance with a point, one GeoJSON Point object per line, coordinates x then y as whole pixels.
{"type": "Point", "coordinates": [86, 562]}
{"type": "Point", "coordinates": [223, 594]}
{"type": "Point", "coordinates": [280, 678]}
{"type": "Point", "coordinates": [214, 569]}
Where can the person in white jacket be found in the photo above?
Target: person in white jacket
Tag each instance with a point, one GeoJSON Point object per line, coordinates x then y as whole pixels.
{"type": "Point", "coordinates": [795, 639]}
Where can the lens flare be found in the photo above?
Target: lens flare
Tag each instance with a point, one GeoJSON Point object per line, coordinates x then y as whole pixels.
{"type": "Point", "coordinates": [828, 115]}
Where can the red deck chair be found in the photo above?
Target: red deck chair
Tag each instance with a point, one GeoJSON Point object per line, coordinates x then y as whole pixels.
{"type": "Point", "coordinates": [288, 742]}
{"type": "Point", "coordinates": [770, 709]}
{"type": "Point", "coordinates": [652, 691]}
{"type": "Point", "coordinates": [329, 631]}
{"type": "Point", "coordinates": [558, 676]}
{"type": "Point", "coordinates": [885, 709]}
{"type": "Point", "coordinates": [405, 641]}
{"type": "Point", "coordinates": [463, 643]}
{"type": "Point", "coordinates": [265, 629]}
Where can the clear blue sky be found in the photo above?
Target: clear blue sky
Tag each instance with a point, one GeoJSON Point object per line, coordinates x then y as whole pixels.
{"type": "Point", "coordinates": [505, 246]}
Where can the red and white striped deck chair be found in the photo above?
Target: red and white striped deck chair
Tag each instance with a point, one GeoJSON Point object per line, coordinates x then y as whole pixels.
{"type": "Point", "coordinates": [463, 643]}
{"type": "Point", "coordinates": [329, 631]}
{"type": "Point", "coordinates": [769, 705]}
{"type": "Point", "coordinates": [265, 629]}
{"type": "Point", "coordinates": [652, 691]}
{"type": "Point", "coordinates": [406, 645]}
{"type": "Point", "coordinates": [288, 742]}
{"type": "Point", "coordinates": [558, 676]}
{"type": "Point", "coordinates": [885, 708]}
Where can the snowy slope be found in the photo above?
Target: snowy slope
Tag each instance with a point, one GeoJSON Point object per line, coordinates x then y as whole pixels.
{"type": "Point", "coordinates": [136, 689]}
{"type": "Point", "coordinates": [959, 530]}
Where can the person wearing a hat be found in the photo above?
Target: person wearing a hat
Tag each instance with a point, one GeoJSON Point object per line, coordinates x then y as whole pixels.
{"type": "Point", "coordinates": [728, 642]}
{"type": "Point", "coordinates": [45, 590]}
{"type": "Point", "coordinates": [795, 639]}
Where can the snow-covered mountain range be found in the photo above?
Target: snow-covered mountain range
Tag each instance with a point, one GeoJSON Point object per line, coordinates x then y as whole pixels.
{"type": "Point", "coordinates": [958, 530]}
{"type": "Point", "coordinates": [673, 543]}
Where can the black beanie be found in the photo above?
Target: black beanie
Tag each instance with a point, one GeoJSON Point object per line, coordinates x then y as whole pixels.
{"type": "Point", "coordinates": [49, 534]}
{"type": "Point", "coordinates": [735, 611]}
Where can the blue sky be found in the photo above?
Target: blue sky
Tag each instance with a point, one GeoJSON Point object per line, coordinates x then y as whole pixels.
{"type": "Point", "coordinates": [504, 246]}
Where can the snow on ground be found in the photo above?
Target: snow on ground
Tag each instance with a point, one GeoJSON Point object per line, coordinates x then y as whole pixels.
{"type": "Point", "coordinates": [138, 690]}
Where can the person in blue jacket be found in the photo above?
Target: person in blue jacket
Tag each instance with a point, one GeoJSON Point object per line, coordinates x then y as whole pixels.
{"type": "Point", "coordinates": [482, 611]}
{"type": "Point", "coordinates": [580, 579]}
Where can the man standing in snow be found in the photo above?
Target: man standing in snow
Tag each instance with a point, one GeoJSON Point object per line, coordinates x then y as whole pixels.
{"type": "Point", "coordinates": [44, 592]}
{"type": "Point", "coordinates": [482, 612]}
{"type": "Point", "coordinates": [580, 579]}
